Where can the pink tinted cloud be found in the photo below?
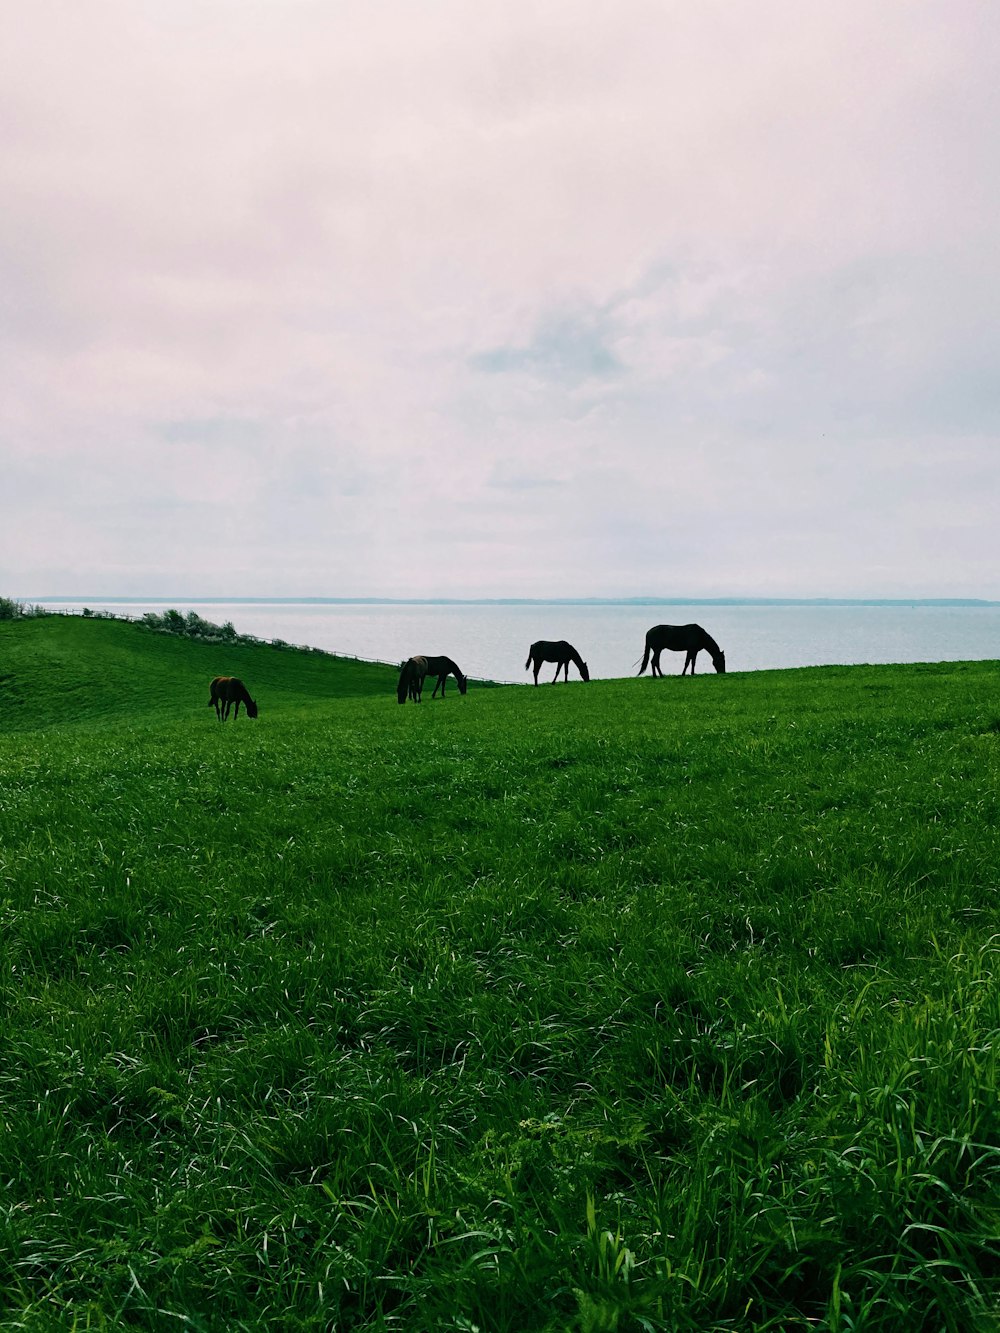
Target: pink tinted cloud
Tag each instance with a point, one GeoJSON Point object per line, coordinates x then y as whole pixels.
{"type": "Point", "coordinates": [455, 245]}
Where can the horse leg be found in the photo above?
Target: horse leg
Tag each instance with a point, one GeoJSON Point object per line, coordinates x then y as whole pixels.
{"type": "Point", "coordinates": [565, 666]}
{"type": "Point", "coordinates": [538, 666]}
{"type": "Point", "coordinates": [654, 666]}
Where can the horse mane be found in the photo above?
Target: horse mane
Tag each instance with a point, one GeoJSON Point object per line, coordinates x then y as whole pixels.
{"type": "Point", "coordinates": [404, 681]}
{"type": "Point", "coordinates": [711, 645]}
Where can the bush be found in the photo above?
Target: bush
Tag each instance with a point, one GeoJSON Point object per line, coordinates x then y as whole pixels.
{"type": "Point", "coordinates": [193, 626]}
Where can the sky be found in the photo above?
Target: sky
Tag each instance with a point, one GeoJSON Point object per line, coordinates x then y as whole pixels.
{"type": "Point", "coordinates": [561, 298]}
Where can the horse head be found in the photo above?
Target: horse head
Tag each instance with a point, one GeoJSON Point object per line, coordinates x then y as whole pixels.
{"type": "Point", "coordinates": [463, 683]}
{"type": "Point", "coordinates": [251, 707]}
{"type": "Point", "coordinates": [720, 663]}
{"type": "Point", "coordinates": [584, 672]}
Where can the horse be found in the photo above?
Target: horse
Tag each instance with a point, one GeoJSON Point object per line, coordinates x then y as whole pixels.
{"type": "Point", "coordinates": [562, 653]}
{"type": "Point", "coordinates": [688, 639]}
{"type": "Point", "coordinates": [411, 679]}
{"type": "Point", "coordinates": [443, 667]}
{"type": "Point", "coordinates": [229, 690]}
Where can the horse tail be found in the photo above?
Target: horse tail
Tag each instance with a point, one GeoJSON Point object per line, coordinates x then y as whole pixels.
{"type": "Point", "coordinates": [528, 663]}
{"type": "Point", "coordinates": [404, 684]}
{"type": "Point", "coordinates": [645, 657]}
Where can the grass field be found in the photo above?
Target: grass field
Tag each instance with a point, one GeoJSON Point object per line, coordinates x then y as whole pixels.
{"type": "Point", "coordinates": [633, 1005]}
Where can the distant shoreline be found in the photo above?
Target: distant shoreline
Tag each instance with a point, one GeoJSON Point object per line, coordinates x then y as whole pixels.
{"type": "Point", "coordinates": [519, 601]}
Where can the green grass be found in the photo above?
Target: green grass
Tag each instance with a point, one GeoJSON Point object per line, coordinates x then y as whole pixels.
{"type": "Point", "coordinates": [636, 1005]}
{"type": "Point", "coordinates": [59, 670]}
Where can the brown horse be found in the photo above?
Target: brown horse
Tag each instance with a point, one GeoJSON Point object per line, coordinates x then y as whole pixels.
{"type": "Point", "coordinates": [411, 680]}
{"type": "Point", "coordinates": [562, 653]}
{"type": "Point", "coordinates": [229, 690]}
{"type": "Point", "coordinates": [688, 639]}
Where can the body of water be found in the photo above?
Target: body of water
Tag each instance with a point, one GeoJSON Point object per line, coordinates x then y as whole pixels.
{"type": "Point", "coordinates": [491, 640]}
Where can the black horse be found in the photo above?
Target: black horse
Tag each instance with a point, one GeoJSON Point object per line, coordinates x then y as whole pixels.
{"type": "Point", "coordinates": [562, 653]}
{"type": "Point", "coordinates": [688, 639]}
{"type": "Point", "coordinates": [411, 680]}
{"type": "Point", "coordinates": [229, 690]}
{"type": "Point", "coordinates": [443, 667]}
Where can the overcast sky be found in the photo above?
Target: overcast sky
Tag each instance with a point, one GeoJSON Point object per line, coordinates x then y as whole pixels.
{"type": "Point", "coordinates": [309, 297]}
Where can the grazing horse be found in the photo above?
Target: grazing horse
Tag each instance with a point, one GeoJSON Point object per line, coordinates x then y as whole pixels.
{"type": "Point", "coordinates": [688, 639]}
{"type": "Point", "coordinates": [229, 690]}
{"type": "Point", "coordinates": [562, 653]}
{"type": "Point", "coordinates": [443, 667]}
{"type": "Point", "coordinates": [411, 679]}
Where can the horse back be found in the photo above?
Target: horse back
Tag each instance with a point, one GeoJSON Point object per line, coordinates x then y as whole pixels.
{"type": "Point", "coordinates": [231, 690]}
{"type": "Point", "coordinates": [220, 688]}
{"type": "Point", "coordinates": [443, 666]}
{"type": "Point", "coordinates": [678, 638]}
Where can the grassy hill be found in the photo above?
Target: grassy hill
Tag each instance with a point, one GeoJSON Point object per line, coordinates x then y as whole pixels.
{"type": "Point", "coordinates": [635, 1005]}
{"type": "Point", "coordinates": [62, 669]}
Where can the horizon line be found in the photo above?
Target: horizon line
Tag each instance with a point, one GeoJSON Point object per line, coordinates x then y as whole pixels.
{"type": "Point", "coordinates": [523, 601]}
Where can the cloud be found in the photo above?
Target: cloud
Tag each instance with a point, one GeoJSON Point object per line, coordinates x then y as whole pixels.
{"type": "Point", "coordinates": [564, 347]}
{"type": "Point", "coordinates": [662, 294]}
{"type": "Point", "coordinates": [505, 478]}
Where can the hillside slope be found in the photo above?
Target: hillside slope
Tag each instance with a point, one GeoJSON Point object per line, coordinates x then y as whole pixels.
{"type": "Point", "coordinates": [59, 669]}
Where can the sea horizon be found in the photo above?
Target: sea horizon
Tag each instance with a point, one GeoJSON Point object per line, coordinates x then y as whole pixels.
{"type": "Point", "coordinates": [133, 599]}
